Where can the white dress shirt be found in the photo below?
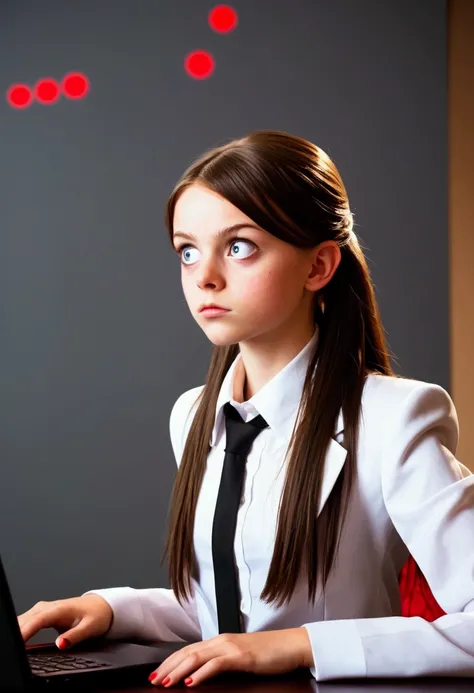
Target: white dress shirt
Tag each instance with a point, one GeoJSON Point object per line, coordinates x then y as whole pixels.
{"type": "Point", "coordinates": [410, 495]}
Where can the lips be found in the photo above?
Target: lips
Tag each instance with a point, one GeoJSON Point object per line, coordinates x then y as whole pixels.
{"type": "Point", "coordinates": [211, 306]}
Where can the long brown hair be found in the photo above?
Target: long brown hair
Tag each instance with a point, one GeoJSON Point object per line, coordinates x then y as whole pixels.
{"type": "Point", "coordinates": [291, 188]}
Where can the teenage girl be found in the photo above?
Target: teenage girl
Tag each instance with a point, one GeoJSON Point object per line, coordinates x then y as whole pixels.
{"type": "Point", "coordinates": [354, 473]}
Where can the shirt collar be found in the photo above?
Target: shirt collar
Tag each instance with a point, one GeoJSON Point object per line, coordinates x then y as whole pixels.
{"type": "Point", "coordinates": [277, 401]}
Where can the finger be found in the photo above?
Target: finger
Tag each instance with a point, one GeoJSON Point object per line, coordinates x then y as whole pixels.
{"type": "Point", "coordinates": [76, 634]}
{"type": "Point", "coordinates": [48, 615]}
{"type": "Point", "coordinates": [35, 623]}
{"type": "Point", "coordinates": [188, 667]}
{"type": "Point", "coordinates": [168, 665]}
{"type": "Point", "coordinates": [190, 663]}
{"type": "Point", "coordinates": [175, 660]}
{"type": "Point", "coordinates": [211, 668]}
{"type": "Point", "coordinates": [26, 615]}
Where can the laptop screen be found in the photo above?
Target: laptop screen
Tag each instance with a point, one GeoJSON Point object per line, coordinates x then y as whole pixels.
{"type": "Point", "coordinates": [15, 673]}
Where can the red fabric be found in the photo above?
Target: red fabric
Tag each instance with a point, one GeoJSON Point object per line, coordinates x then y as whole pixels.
{"type": "Point", "coordinates": [416, 596]}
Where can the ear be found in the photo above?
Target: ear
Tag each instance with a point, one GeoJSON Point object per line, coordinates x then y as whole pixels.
{"type": "Point", "coordinates": [325, 259]}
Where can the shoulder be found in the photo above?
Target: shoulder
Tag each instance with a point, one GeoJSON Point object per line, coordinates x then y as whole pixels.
{"type": "Point", "coordinates": [181, 418]}
{"type": "Point", "coordinates": [399, 393]}
{"type": "Point", "coordinates": [397, 389]}
{"type": "Point", "coordinates": [404, 408]}
{"type": "Point", "coordinates": [184, 405]}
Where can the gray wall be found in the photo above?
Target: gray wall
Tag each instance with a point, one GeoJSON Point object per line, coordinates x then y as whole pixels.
{"type": "Point", "coordinates": [96, 341]}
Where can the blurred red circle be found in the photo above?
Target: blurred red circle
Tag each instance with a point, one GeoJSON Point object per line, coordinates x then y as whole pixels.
{"type": "Point", "coordinates": [47, 91]}
{"type": "Point", "coordinates": [199, 64]}
{"type": "Point", "coordinates": [75, 85]}
{"type": "Point", "coordinates": [223, 19]}
{"type": "Point", "coordinates": [19, 96]}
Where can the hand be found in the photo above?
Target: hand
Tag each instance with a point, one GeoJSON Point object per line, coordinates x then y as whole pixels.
{"type": "Point", "coordinates": [264, 652]}
{"type": "Point", "coordinates": [75, 619]}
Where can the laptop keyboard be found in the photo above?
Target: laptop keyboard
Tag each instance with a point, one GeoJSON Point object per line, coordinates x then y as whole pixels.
{"type": "Point", "coordinates": [50, 664]}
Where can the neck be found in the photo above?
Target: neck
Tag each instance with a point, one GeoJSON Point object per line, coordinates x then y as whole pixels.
{"type": "Point", "coordinates": [265, 356]}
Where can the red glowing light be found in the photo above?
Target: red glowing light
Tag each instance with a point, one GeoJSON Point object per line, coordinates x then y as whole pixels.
{"type": "Point", "coordinates": [19, 96]}
{"type": "Point", "coordinates": [223, 19]}
{"type": "Point", "coordinates": [75, 85]}
{"type": "Point", "coordinates": [47, 91]}
{"type": "Point", "coordinates": [199, 64]}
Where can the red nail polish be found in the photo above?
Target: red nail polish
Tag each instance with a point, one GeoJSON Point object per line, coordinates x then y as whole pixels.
{"type": "Point", "coordinates": [152, 676]}
{"type": "Point", "coordinates": [64, 644]}
{"type": "Point", "coordinates": [188, 681]}
{"type": "Point", "coordinates": [165, 681]}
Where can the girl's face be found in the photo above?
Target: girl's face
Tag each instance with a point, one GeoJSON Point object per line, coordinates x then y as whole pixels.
{"type": "Point", "coordinates": [259, 279]}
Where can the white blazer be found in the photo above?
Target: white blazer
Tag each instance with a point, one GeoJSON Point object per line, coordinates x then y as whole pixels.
{"type": "Point", "coordinates": [410, 496]}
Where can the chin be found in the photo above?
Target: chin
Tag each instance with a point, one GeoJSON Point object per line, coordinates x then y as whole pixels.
{"type": "Point", "coordinates": [222, 341]}
{"type": "Point", "coordinates": [224, 337]}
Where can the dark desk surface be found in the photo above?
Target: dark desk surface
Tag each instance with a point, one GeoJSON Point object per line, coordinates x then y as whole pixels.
{"type": "Point", "coordinates": [300, 681]}
{"type": "Point", "coordinates": [304, 683]}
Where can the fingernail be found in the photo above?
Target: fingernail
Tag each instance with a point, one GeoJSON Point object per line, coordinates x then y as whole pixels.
{"type": "Point", "coordinates": [188, 682]}
{"type": "Point", "coordinates": [152, 676]}
{"type": "Point", "coordinates": [166, 681]}
{"type": "Point", "coordinates": [64, 644]}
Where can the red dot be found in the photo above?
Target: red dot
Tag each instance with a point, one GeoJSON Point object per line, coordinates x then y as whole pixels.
{"type": "Point", "coordinates": [47, 91]}
{"type": "Point", "coordinates": [75, 85]}
{"type": "Point", "coordinates": [223, 19]}
{"type": "Point", "coordinates": [199, 64]}
{"type": "Point", "coordinates": [19, 96]}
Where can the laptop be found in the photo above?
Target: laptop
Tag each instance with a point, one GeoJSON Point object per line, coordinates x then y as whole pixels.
{"type": "Point", "coordinates": [94, 661]}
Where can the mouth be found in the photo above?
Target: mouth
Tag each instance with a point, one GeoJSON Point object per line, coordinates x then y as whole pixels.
{"type": "Point", "coordinates": [213, 310]}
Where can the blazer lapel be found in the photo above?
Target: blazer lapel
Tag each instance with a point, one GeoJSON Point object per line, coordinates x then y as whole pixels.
{"type": "Point", "coordinates": [339, 425]}
{"type": "Point", "coordinates": [333, 463]}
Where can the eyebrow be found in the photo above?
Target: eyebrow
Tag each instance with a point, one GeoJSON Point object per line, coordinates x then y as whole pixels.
{"type": "Point", "coordinates": [226, 231]}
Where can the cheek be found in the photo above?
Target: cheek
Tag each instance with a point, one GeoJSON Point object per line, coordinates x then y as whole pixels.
{"type": "Point", "coordinates": [187, 287]}
{"type": "Point", "coordinates": [275, 286]}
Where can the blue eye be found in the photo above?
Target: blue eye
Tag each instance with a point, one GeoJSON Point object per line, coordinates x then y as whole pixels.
{"type": "Point", "coordinates": [186, 255]}
{"type": "Point", "coordinates": [237, 247]}
{"type": "Point", "coordinates": [239, 253]}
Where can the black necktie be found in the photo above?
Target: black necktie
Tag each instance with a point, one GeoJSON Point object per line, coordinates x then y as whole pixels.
{"type": "Point", "coordinates": [240, 436]}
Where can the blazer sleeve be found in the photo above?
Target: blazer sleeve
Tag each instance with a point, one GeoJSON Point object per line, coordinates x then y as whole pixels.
{"type": "Point", "coordinates": [430, 499]}
{"type": "Point", "coordinates": [155, 614]}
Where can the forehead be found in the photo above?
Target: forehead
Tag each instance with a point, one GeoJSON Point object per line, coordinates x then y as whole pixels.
{"type": "Point", "coordinates": [199, 209]}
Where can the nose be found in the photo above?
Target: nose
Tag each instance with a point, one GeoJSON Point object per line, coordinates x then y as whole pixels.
{"type": "Point", "coordinates": [209, 274]}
